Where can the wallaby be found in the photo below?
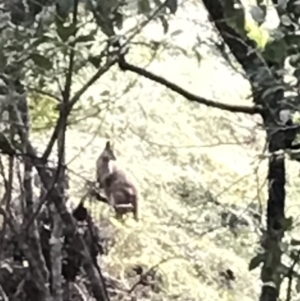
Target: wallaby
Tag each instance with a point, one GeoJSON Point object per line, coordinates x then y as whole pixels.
{"type": "Point", "coordinates": [119, 189]}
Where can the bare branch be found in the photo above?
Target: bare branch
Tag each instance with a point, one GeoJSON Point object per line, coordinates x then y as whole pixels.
{"type": "Point", "coordinates": [10, 181]}
{"type": "Point", "coordinates": [192, 97]}
{"type": "Point", "coordinates": [151, 16]}
{"type": "Point", "coordinates": [48, 94]}
{"type": "Point", "coordinates": [56, 255]}
{"type": "Point", "coordinates": [73, 101]}
{"type": "Point", "coordinates": [290, 276]}
{"type": "Point", "coordinates": [2, 173]}
{"type": "Point", "coordinates": [143, 275]}
{"type": "Point", "coordinates": [56, 242]}
{"type": "Point", "coordinates": [3, 295]}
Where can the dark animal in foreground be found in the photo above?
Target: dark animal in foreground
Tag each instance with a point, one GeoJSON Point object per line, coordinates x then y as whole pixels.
{"type": "Point", "coordinates": [119, 189]}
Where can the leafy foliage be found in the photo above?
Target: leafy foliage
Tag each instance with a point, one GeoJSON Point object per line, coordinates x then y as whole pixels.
{"type": "Point", "coordinates": [43, 112]}
{"type": "Point", "coordinates": [47, 50]}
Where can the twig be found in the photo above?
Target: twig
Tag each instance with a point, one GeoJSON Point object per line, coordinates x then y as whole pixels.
{"type": "Point", "coordinates": [10, 182]}
{"type": "Point", "coordinates": [2, 172]}
{"type": "Point", "coordinates": [48, 94]}
{"type": "Point", "coordinates": [144, 275]}
{"type": "Point", "coordinates": [155, 12]}
{"type": "Point", "coordinates": [3, 295]}
{"type": "Point", "coordinates": [56, 243]}
{"type": "Point", "coordinates": [290, 277]}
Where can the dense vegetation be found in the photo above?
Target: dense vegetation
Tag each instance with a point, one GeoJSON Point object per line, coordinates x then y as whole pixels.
{"type": "Point", "coordinates": [201, 103]}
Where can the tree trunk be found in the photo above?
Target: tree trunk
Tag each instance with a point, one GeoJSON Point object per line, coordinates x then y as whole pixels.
{"type": "Point", "coordinates": [246, 54]}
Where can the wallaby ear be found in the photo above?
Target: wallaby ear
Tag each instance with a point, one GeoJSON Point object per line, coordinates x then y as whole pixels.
{"type": "Point", "coordinates": [107, 145]}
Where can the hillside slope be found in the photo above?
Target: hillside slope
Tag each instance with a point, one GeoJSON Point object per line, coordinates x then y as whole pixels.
{"type": "Point", "coordinates": [192, 163]}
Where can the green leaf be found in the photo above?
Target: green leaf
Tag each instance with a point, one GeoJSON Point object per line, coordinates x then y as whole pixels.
{"type": "Point", "coordinates": [295, 60]}
{"type": "Point", "coordinates": [119, 20]}
{"type": "Point", "coordinates": [256, 261]}
{"type": "Point", "coordinates": [176, 33]}
{"type": "Point", "coordinates": [41, 61]}
{"type": "Point", "coordinates": [276, 51]}
{"type": "Point", "coordinates": [95, 60]}
{"type": "Point", "coordinates": [294, 255]}
{"type": "Point", "coordinates": [40, 40]}
{"type": "Point", "coordinates": [295, 242]}
{"type": "Point", "coordinates": [284, 246]}
{"type": "Point", "coordinates": [164, 23]}
{"type": "Point", "coordinates": [286, 21]}
{"type": "Point", "coordinates": [172, 5]}
{"type": "Point", "coordinates": [64, 32]}
{"type": "Point", "coordinates": [143, 6]}
{"type": "Point", "coordinates": [105, 93]}
{"type": "Point", "coordinates": [85, 38]}
{"type": "Point", "coordinates": [197, 54]}
{"type": "Point", "coordinates": [5, 145]}
{"type": "Point", "coordinates": [288, 223]}
{"type": "Point", "coordinates": [64, 7]}
{"type": "Point", "coordinates": [272, 90]}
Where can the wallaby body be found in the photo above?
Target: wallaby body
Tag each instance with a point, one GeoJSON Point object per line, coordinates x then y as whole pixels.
{"type": "Point", "coordinates": [119, 188]}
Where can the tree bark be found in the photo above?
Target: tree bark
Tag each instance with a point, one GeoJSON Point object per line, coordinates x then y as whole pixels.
{"type": "Point", "coordinates": [246, 54]}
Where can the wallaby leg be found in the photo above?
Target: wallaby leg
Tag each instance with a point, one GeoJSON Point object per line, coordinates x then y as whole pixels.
{"type": "Point", "coordinates": [112, 201]}
{"type": "Point", "coordinates": [135, 209]}
{"type": "Point", "coordinates": [119, 215]}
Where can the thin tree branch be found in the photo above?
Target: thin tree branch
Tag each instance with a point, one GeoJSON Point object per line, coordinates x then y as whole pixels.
{"type": "Point", "coordinates": [251, 110]}
{"type": "Point", "coordinates": [56, 246]}
{"type": "Point", "coordinates": [73, 101]}
{"type": "Point", "coordinates": [290, 276]}
{"type": "Point", "coordinates": [97, 281]}
{"type": "Point", "coordinates": [3, 295]}
{"type": "Point", "coordinates": [45, 93]}
{"type": "Point", "coordinates": [29, 241]}
{"type": "Point", "coordinates": [96, 278]}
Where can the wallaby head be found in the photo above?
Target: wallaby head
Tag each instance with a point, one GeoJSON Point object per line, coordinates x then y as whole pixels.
{"type": "Point", "coordinates": [104, 164]}
{"type": "Point", "coordinates": [108, 153]}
